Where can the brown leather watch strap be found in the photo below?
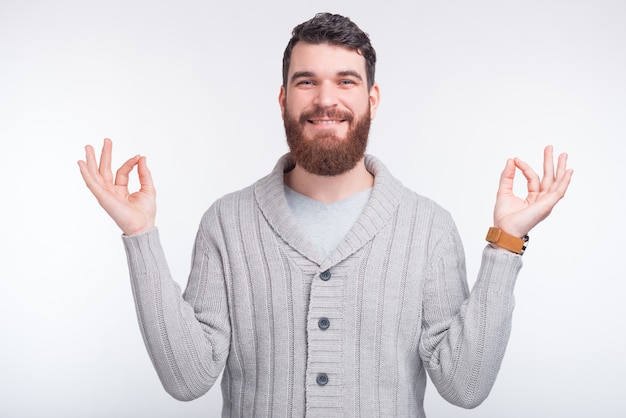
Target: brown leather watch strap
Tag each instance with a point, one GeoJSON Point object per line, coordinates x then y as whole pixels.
{"type": "Point", "coordinates": [502, 239]}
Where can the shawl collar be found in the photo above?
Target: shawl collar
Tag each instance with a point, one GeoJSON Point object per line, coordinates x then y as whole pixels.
{"type": "Point", "coordinates": [382, 205]}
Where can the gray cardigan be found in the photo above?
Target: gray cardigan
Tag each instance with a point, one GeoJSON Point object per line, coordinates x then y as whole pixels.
{"type": "Point", "coordinates": [350, 335]}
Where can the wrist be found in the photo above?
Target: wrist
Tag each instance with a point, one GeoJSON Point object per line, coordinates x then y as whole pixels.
{"type": "Point", "coordinates": [138, 230]}
{"type": "Point", "coordinates": [500, 239]}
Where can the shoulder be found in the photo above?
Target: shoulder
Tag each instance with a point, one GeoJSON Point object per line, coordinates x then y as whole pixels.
{"type": "Point", "coordinates": [389, 190]}
{"type": "Point", "coordinates": [229, 205]}
{"type": "Point", "coordinates": [423, 204]}
{"type": "Point", "coordinates": [427, 214]}
{"type": "Point", "coordinates": [265, 192]}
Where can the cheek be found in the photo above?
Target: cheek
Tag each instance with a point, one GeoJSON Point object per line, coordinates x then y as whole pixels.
{"type": "Point", "coordinates": [297, 102]}
{"type": "Point", "coordinates": [364, 107]}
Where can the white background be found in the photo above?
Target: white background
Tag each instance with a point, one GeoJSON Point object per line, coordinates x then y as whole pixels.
{"type": "Point", "coordinates": [465, 84]}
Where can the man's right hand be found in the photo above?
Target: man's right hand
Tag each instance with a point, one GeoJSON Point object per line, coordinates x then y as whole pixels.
{"type": "Point", "coordinates": [133, 213]}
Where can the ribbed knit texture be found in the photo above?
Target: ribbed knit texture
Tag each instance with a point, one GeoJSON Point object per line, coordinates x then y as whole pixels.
{"type": "Point", "coordinates": [397, 302]}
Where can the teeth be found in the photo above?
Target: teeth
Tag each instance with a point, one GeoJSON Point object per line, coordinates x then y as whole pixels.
{"type": "Point", "coordinates": [326, 122]}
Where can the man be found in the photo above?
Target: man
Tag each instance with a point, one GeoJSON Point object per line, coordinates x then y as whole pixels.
{"type": "Point", "coordinates": [326, 288]}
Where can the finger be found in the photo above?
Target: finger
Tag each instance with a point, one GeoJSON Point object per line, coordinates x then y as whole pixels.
{"type": "Point", "coordinates": [548, 168]}
{"type": "Point", "coordinates": [84, 172]}
{"type": "Point", "coordinates": [90, 170]}
{"type": "Point", "coordinates": [145, 177]}
{"type": "Point", "coordinates": [121, 176]}
{"type": "Point", "coordinates": [563, 176]}
{"type": "Point", "coordinates": [558, 189]}
{"type": "Point", "coordinates": [105, 161]}
{"type": "Point", "coordinates": [563, 182]}
{"type": "Point", "coordinates": [90, 158]}
{"type": "Point", "coordinates": [507, 178]}
{"type": "Point", "coordinates": [532, 178]}
{"type": "Point", "coordinates": [545, 205]}
{"type": "Point", "coordinates": [561, 167]}
{"type": "Point", "coordinates": [92, 181]}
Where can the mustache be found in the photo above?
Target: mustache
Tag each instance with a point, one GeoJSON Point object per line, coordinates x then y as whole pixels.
{"type": "Point", "coordinates": [319, 113]}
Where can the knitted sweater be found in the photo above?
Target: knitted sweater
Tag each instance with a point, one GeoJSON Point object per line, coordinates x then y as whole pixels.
{"type": "Point", "coordinates": [350, 335]}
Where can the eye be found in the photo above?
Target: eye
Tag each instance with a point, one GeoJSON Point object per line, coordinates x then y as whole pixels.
{"type": "Point", "coordinates": [348, 83]}
{"type": "Point", "coordinates": [305, 83]}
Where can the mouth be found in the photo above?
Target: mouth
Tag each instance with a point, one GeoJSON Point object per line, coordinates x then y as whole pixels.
{"type": "Point", "coordinates": [325, 122]}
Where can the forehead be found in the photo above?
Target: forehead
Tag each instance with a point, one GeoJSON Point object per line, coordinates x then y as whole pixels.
{"type": "Point", "coordinates": [325, 58]}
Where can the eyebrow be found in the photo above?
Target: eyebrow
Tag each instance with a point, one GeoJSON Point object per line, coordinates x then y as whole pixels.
{"type": "Point", "coordinates": [301, 74]}
{"type": "Point", "coordinates": [306, 74]}
{"type": "Point", "coordinates": [350, 73]}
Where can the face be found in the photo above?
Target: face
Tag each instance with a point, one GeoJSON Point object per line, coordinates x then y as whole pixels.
{"type": "Point", "coordinates": [327, 108]}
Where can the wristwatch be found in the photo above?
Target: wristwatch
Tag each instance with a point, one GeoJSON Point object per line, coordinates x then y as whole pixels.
{"type": "Point", "coordinates": [512, 243]}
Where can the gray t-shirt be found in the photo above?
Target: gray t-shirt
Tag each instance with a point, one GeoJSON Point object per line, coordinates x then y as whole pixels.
{"type": "Point", "coordinates": [326, 224]}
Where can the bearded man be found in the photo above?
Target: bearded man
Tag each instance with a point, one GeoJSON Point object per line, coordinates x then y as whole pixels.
{"type": "Point", "coordinates": [326, 288]}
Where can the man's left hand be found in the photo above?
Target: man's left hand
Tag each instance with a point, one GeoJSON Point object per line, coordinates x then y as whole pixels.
{"type": "Point", "coordinates": [518, 216]}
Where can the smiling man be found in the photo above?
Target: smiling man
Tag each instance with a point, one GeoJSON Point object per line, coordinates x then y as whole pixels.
{"type": "Point", "coordinates": [326, 288]}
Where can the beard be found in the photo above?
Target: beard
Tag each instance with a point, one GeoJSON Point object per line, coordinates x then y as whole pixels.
{"type": "Point", "coordinates": [326, 154]}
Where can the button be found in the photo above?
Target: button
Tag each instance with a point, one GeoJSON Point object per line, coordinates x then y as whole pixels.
{"type": "Point", "coordinates": [323, 323]}
{"type": "Point", "coordinates": [325, 275]}
{"type": "Point", "coordinates": [322, 379]}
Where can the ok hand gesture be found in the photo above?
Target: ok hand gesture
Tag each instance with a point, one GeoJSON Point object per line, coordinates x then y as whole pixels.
{"type": "Point", "coordinates": [517, 216]}
{"type": "Point", "coordinates": [133, 213]}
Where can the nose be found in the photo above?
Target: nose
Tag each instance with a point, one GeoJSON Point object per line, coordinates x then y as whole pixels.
{"type": "Point", "coordinates": [326, 95]}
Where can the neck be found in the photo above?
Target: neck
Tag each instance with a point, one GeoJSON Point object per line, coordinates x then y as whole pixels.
{"type": "Point", "coordinates": [329, 189]}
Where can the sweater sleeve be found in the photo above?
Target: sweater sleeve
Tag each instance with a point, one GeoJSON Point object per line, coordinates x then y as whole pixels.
{"type": "Point", "coordinates": [464, 335]}
{"type": "Point", "coordinates": [187, 337]}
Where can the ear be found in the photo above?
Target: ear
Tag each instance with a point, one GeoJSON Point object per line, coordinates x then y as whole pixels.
{"type": "Point", "coordinates": [282, 97]}
{"type": "Point", "coordinates": [374, 100]}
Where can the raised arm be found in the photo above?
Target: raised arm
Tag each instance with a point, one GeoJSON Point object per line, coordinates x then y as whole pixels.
{"type": "Point", "coordinates": [134, 212]}
{"type": "Point", "coordinates": [465, 336]}
{"type": "Point", "coordinates": [188, 337]}
{"type": "Point", "coordinates": [518, 216]}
